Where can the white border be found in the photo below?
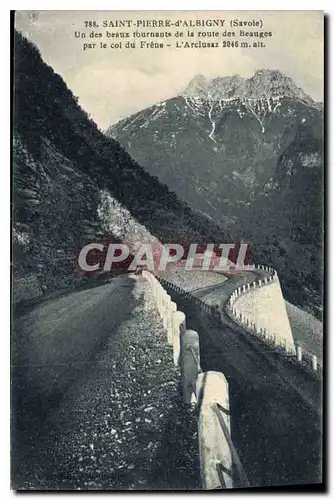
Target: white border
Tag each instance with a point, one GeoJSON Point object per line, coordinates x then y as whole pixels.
{"type": "Point", "coordinates": [172, 5]}
{"type": "Point", "coordinates": [327, 6]}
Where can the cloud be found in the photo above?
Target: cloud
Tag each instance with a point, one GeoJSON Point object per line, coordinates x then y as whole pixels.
{"type": "Point", "coordinates": [112, 84]}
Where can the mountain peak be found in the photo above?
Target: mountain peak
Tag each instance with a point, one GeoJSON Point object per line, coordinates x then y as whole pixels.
{"type": "Point", "coordinates": [198, 87]}
{"type": "Point", "coordinates": [273, 83]}
{"type": "Point", "coordinates": [265, 83]}
{"type": "Point", "coordinates": [227, 87]}
{"type": "Point", "coordinates": [271, 73]}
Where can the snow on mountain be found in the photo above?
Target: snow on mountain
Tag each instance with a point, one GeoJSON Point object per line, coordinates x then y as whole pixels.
{"type": "Point", "coordinates": [264, 84]}
{"type": "Point", "coordinates": [244, 151]}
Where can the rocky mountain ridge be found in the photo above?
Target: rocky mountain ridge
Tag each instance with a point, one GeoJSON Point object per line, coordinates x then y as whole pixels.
{"type": "Point", "coordinates": [242, 151]}
{"type": "Point", "coordinates": [72, 185]}
{"type": "Point", "coordinates": [264, 84]}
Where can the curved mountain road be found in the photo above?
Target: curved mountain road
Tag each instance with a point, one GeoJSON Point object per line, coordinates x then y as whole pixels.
{"type": "Point", "coordinates": [276, 423]}
{"type": "Point", "coordinates": [275, 405]}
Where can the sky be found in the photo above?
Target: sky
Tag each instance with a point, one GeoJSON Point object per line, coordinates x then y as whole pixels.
{"type": "Point", "coordinates": [112, 84]}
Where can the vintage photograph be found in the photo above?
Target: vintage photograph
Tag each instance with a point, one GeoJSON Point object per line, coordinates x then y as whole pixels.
{"type": "Point", "coordinates": [167, 250]}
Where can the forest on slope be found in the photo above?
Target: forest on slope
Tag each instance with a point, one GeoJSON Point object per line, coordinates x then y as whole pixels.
{"type": "Point", "coordinates": [73, 185]}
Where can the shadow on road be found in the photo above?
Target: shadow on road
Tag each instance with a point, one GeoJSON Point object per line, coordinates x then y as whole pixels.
{"type": "Point", "coordinates": [55, 344]}
{"type": "Point", "coordinates": [276, 432]}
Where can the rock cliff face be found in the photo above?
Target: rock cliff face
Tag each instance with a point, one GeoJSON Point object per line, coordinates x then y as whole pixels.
{"type": "Point", "coordinates": [58, 210]}
{"type": "Point", "coordinates": [249, 153]}
{"type": "Point", "coordinates": [263, 84]}
{"type": "Point", "coordinates": [218, 143]}
{"type": "Point", "coordinates": [72, 185]}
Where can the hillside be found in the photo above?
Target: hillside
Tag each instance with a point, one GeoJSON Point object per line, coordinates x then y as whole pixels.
{"type": "Point", "coordinates": [73, 185]}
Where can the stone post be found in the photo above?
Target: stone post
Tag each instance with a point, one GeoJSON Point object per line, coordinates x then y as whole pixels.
{"type": "Point", "coordinates": [164, 308]}
{"type": "Point", "coordinates": [170, 331]}
{"type": "Point", "coordinates": [314, 362]}
{"type": "Point", "coordinates": [214, 449]}
{"type": "Point", "coordinates": [168, 313]}
{"type": "Point", "coordinates": [190, 364]}
{"type": "Point", "coordinates": [160, 299]}
{"type": "Point", "coordinates": [179, 324]}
